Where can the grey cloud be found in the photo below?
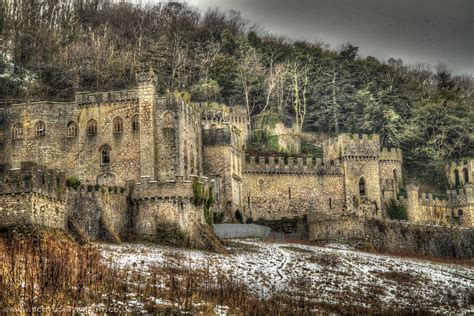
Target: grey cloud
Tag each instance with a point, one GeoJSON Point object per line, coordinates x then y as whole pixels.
{"type": "Point", "coordinates": [414, 30]}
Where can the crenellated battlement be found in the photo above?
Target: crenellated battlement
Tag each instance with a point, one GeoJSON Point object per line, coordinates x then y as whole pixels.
{"type": "Point", "coordinates": [96, 98]}
{"type": "Point", "coordinates": [462, 196]}
{"type": "Point", "coordinates": [100, 190]}
{"type": "Point", "coordinates": [32, 178]}
{"type": "Point", "coordinates": [171, 189]}
{"type": "Point", "coordinates": [222, 115]}
{"type": "Point", "coordinates": [292, 165]}
{"type": "Point", "coordinates": [391, 154]}
{"type": "Point", "coordinates": [352, 146]}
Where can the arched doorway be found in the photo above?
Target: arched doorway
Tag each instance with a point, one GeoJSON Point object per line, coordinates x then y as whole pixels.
{"type": "Point", "coordinates": [238, 216]}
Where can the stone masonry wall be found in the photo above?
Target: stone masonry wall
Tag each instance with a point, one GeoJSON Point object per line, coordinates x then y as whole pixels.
{"type": "Point", "coordinates": [31, 209]}
{"type": "Point", "coordinates": [85, 150]}
{"type": "Point", "coordinates": [456, 210]}
{"type": "Point", "coordinates": [394, 236]}
{"type": "Point", "coordinates": [274, 196]}
{"type": "Point", "coordinates": [99, 212]}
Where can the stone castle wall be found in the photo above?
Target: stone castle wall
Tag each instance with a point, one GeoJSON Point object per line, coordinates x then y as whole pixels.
{"type": "Point", "coordinates": [457, 209]}
{"type": "Point", "coordinates": [273, 190]}
{"type": "Point", "coordinates": [99, 212]}
{"type": "Point", "coordinates": [32, 194]}
{"type": "Point", "coordinates": [396, 237]}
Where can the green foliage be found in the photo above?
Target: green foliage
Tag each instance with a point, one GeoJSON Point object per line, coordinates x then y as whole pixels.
{"type": "Point", "coordinates": [203, 195]}
{"type": "Point", "coordinates": [396, 210]}
{"type": "Point", "coordinates": [205, 90]}
{"type": "Point", "coordinates": [311, 150]}
{"type": "Point", "coordinates": [268, 120]}
{"type": "Point", "coordinates": [73, 182]}
{"type": "Point", "coordinates": [263, 142]}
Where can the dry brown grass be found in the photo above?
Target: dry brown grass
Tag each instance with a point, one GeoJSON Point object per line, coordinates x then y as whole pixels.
{"type": "Point", "coordinates": [46, 271]}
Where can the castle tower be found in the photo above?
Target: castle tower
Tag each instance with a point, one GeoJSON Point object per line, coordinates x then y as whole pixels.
{"type": "Point", "coordinates": [359, 155]}
{"type": "Point", "coordinates": [223, 165]}
{"type": "Point", "coordinates": [390, 166]}
{"type": "Point", "coordinates": [147, 118]}
{"type": "Point", "coordinates": [413, 208]}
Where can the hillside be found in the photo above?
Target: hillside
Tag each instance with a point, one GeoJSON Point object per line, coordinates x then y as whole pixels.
{"type": "Point", "coordinates": [330, 279]}
{"type": "Point", "coordinates": [52, 49]}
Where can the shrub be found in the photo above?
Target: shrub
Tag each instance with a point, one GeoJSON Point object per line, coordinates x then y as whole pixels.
{"type": "Point", "coordinates": [73, 182]}
{"type": "Point", "coordinates": [396, 210]}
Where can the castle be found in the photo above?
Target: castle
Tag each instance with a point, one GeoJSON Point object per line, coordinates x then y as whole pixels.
{"type": "Point", "coordinates": [131, 163]}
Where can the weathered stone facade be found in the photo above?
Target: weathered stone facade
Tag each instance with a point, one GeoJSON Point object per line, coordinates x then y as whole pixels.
{"type": "Point", "coordinates": [139, 158]}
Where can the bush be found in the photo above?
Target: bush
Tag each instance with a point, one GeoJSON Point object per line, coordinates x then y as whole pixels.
{"type": "Point", "coordinates": [396, 210]}
{"type": "Point", "coordinates": [73, 182]}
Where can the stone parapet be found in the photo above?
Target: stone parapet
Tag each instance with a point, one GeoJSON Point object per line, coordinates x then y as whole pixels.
{"type": "Point", "coordinates": [88, 98]}
{"type": "Point", "coordinates": [352, 146]}
{"type": "Point", "coordinates": [32, 178]}
{"type": "Point", "coordinates": [171, 189]}
{"type": "Point", "coordinates": [292, 165]}
{"type": "Point", "coordinates": [391, 154]}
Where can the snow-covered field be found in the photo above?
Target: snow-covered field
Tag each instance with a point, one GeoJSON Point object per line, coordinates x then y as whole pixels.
{"type": "Point", "coordinates": [333, 274]}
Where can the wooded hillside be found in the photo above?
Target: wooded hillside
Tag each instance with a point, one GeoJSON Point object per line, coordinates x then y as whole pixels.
{"type": "Point", "coordinates": [52, 48]}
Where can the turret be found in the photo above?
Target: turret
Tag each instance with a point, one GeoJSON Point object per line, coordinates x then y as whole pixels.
{"type": "Point", "coordinates": [147, 118]}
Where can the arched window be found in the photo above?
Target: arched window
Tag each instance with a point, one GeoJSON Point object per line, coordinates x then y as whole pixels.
{"type": "Point", "coordinates": [465, 173]}
{"type": "Point", "coordinates": [72, 129]}
{"type": "Point", "coordinates": [395, 175]}
{"type": "Point", "coordinates": [168, 120]}
{"type": "Point", "coordinates": [456, 177]}
{"type": "Point", "coordinates": [135, 123]}
{"type": "Point", "coordinates": [40, 129]}
{"type": "Point", "coordinates": [91, 127]}
{"type": "Point", "coordinates": [362, 188]}
{"type": "Point", "coordinates": [105, 155]}
{"type": "Point", "coordinates": [118, 125]}
{"type": "Point", "coordinates": [17, 131]}
{"type": "Point", "coordinates": [460, 215]}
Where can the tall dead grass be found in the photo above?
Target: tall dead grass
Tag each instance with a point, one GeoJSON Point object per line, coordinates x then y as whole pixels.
{"type": "Point", "coordinates": [47, 272]}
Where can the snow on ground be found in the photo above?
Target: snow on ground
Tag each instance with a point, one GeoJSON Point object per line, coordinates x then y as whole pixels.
{"type": "Point", "coordinates": [332, 274]}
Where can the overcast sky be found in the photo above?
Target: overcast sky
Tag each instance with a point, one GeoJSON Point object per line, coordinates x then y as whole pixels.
{"type": "Point", "coordinates": [415, 30]}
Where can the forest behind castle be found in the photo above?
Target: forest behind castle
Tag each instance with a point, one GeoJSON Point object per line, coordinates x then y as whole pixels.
{"type": "Point", "coordinates": [51, 49]}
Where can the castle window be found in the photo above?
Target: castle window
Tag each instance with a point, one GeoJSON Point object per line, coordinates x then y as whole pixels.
{"type": "Point", "coordinates": [168, 120]}
{"type": "Point", "coordinates": [465, 175]}
{"type": "Point", "coordinates": [460, 215]}
{"type": "Point", "coordinates": [118, 125]}
{"type": "Point", "coordinates": [362, 188]}
{"type": "Point", "coordinates": [17, 131]}
{"type": "Point", "coordinates": [456, 177]}
{"type": "Point", "coordinates": [40, 129]}
{"type": "Point", "coordinates": [135, 124]}
{"type": "Point", "coordinates": [72, 129]}
{"type": "Point", "coordinates": [105, 155]}
{"type": "Point", "coordinates": [395, 175]}
{"type": "Point", "coordinates": [91, 127]}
